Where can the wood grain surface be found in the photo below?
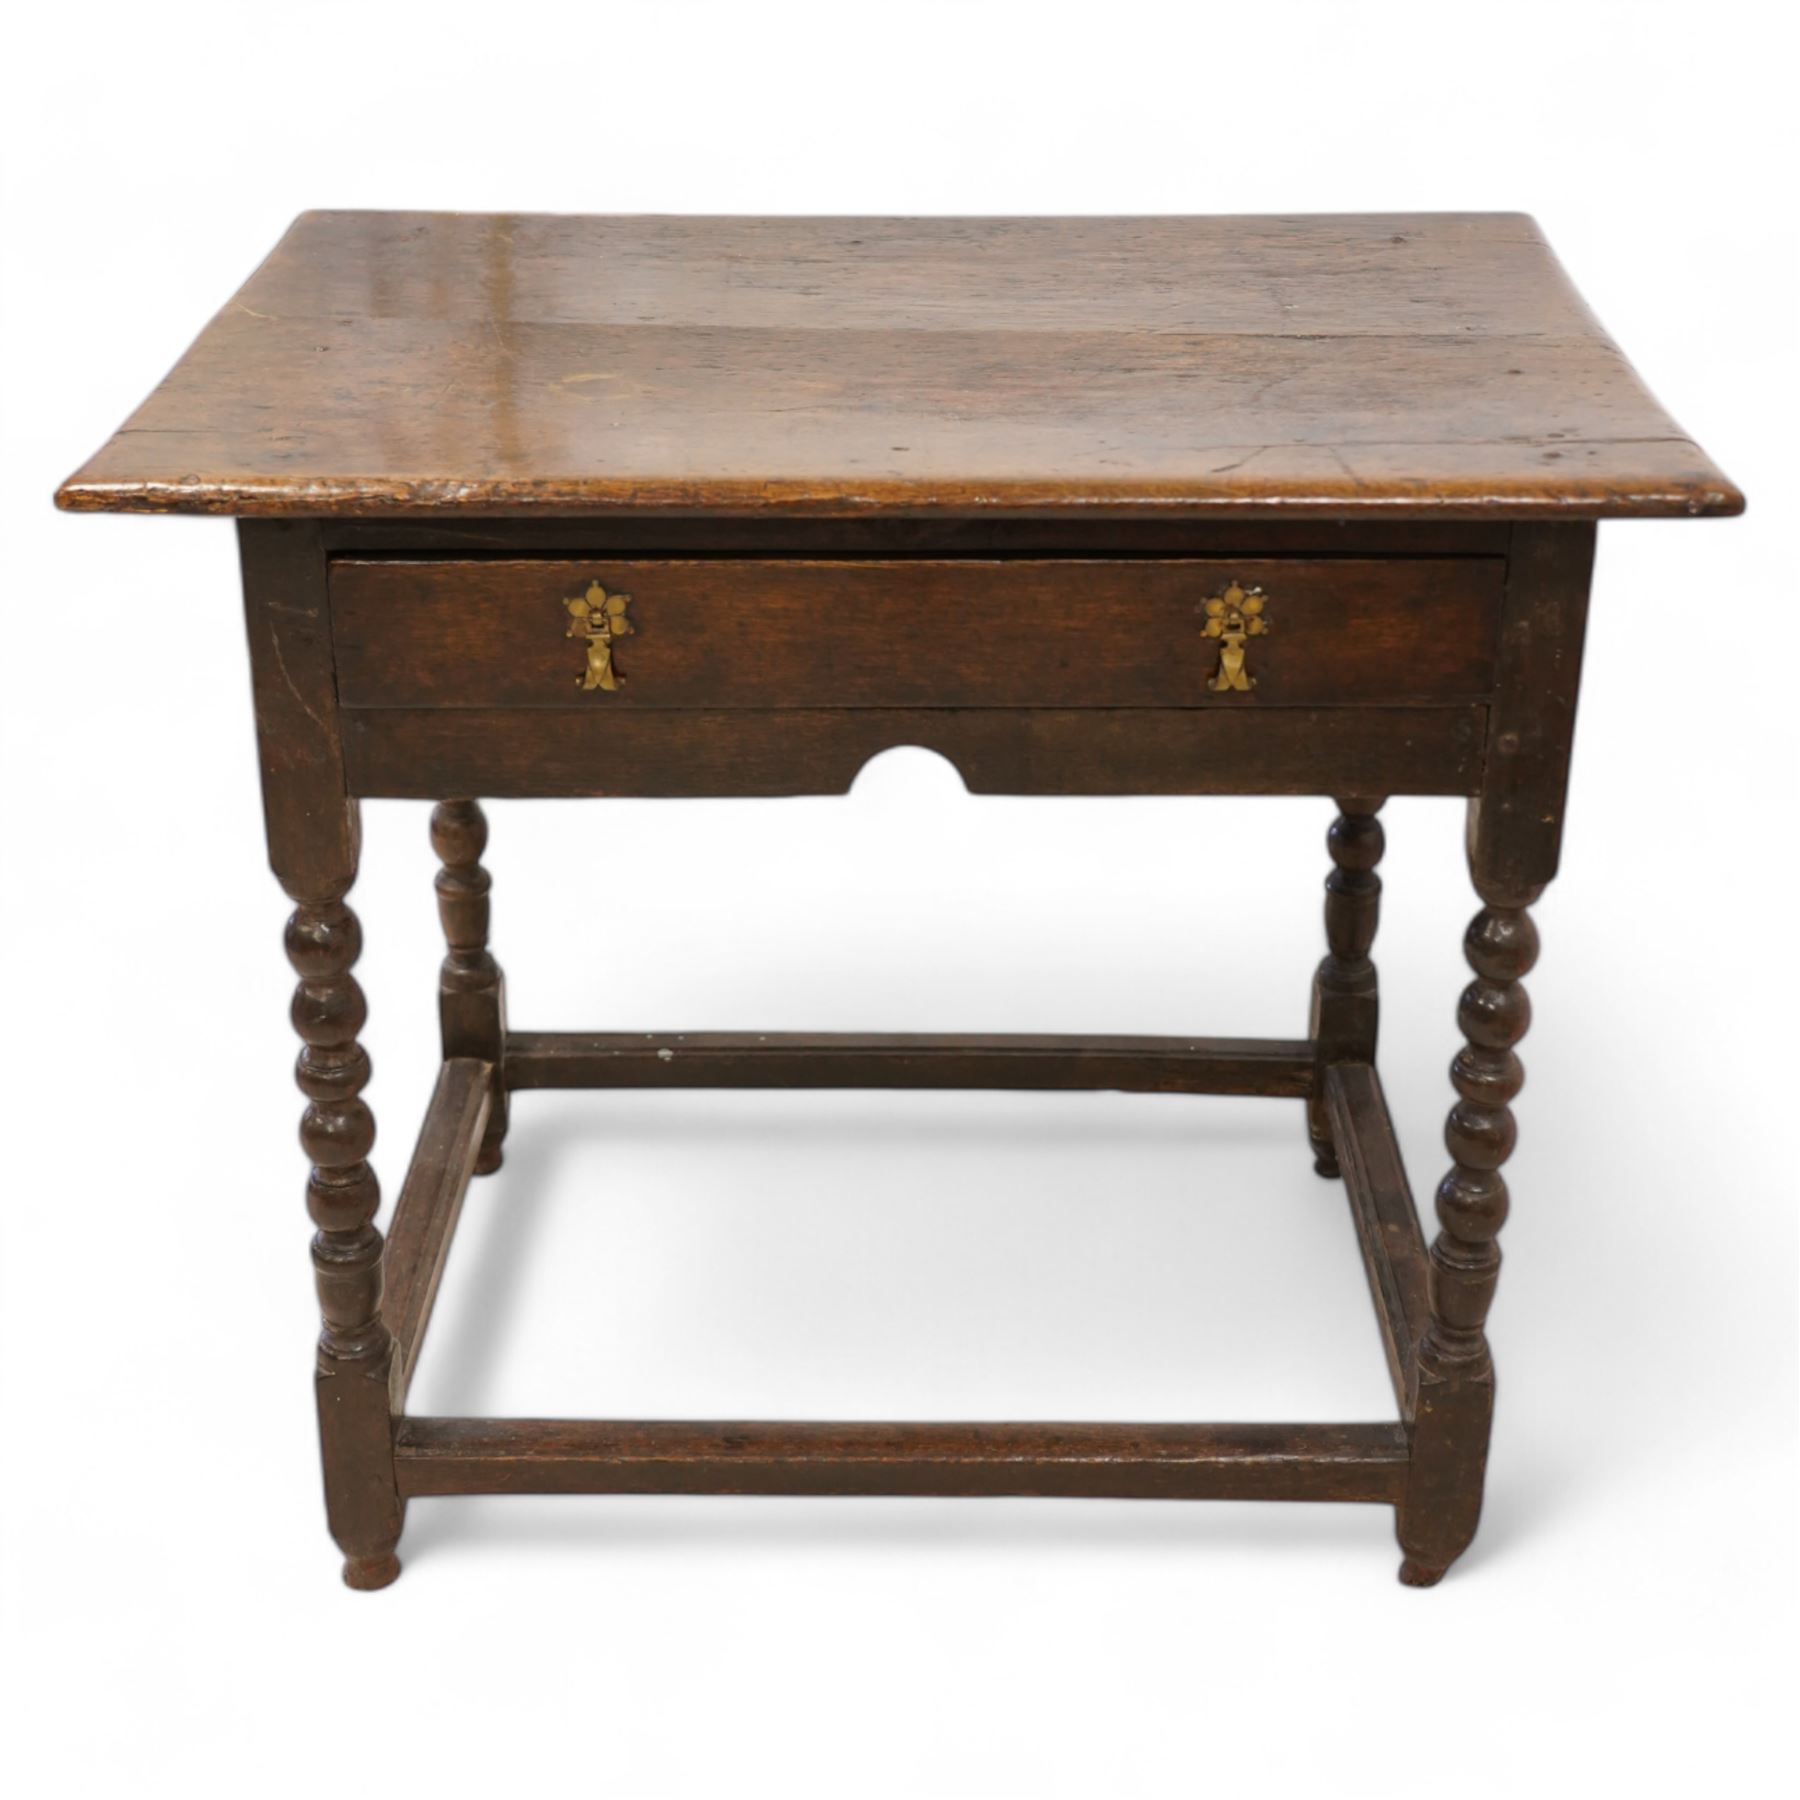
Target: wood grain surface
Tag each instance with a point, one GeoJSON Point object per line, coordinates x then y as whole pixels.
{"type": "Point", "coordinates": [917, 633]}
{"type": "Point", "coordinates": [677, 1456]}
{"type": "Point", "coordinates": [416, 753]}
{"type": "Point", "coordinates": [427, 364]}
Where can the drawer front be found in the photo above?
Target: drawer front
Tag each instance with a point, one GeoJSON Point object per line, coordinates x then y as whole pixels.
{"type": "Point", "coordinates": [739, 634]}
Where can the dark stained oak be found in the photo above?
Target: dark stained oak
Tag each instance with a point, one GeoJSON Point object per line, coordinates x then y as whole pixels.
{"type": "Point", "coordinates": [1121, 1462]}
{"type": "Point", "coordinates": [1514, 845]}
{"type": "Point", "coordinates": [471, 988]}
{"type": "Point", "coordinates": [435, 363]}
{"type": "Point", "coordinates": [931, 537]}
{"type": "Point", "coordinates": [314, 839]}
{"type": "Point", "coordinates": [1454, 1367]}
{"type": "Point", "coordinates": [1346, 997]}
{"type": "Point", "coordinates": [1516, 819]}
{"type": "Point", "coordinates": [729, 633]}
{"type": "Point", "coordinates": [966, 484]}
{"type": "Point", "coordinates": [337, 1131]}
{"type": "Point", "coordinates": [790, 1059]}
{"type": "Point", "coordinates": [406, 753]}
{"type": "Point", "coordinates": [426, 1213]}
{"type": "Point", "coordinates": [1381, 1205]}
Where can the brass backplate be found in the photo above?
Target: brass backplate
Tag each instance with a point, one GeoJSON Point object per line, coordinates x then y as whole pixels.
{"type": "Point", "coordinates": [599, 618]}
{"type": "Point", "coordinates": [1234, 617]}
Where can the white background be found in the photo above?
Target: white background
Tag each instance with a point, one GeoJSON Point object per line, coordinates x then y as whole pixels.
{"type": "Point", "coordinates": [173, 1620]}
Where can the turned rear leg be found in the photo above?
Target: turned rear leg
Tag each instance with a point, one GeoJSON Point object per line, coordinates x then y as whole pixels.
{"type": "Point", "coordinates": [471, 988]}
{"type": "Point", "coordinates": [1344, 995]}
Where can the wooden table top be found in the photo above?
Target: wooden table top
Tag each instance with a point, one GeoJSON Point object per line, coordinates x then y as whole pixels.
{"type": "Point", "coordinates": [419, 364]}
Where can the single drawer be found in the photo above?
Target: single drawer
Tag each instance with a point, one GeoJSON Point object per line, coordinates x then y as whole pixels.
{"type": "Point", "coordinates": [555, 633]}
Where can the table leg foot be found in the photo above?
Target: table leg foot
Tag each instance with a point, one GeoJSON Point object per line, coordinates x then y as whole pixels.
{"type": "Point", "coordinates": [1325, 1162]}
{"type": "Point", "coordinates": [366, 1573]}
{"type": "Point", "coordinates": [1414, 1573]}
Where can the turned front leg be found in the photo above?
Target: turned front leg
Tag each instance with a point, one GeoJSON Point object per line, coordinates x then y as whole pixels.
{"type": "Point", "coordinates": [471, 988]}
{"type": "Point", "coordinates": [1514, 842]}
{"type": "Point", "coordinates": [1455, 1404]}
{"type": "Point", "coordinates": [315, 837]}
{"type": "Point", "coordinates": [1345, 997]}
{"type": "Point", "coordinates": [355, 1358]}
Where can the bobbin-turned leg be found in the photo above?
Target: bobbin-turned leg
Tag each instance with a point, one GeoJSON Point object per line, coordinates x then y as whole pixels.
{"type": "Point", "coordinates": [1345, 1001]}
{"type": "Point", "coordinates": [1514, 844]}
{"type": "Point", "coordinates": [1455, 1368]}
{"type": "Point", "coordinates": [471, 988]}
{"type": "Point", "coordinates": [337, 1131]}
{"type": "Point", "coordinates": [314, 835]}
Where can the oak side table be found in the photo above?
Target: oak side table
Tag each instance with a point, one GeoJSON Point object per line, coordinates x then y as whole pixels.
{"type": "Point", "coordinates": [661, 506]}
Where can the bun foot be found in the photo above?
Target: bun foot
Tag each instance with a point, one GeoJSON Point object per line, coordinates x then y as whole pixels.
{"type": "Point", "coordinates": [1417, 1574]}
{"type": "Point", "coordinates": [366, 1573]}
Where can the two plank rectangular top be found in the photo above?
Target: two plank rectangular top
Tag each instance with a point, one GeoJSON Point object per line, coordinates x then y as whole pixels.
{"type": "Point", "coordinates": [419, 364]}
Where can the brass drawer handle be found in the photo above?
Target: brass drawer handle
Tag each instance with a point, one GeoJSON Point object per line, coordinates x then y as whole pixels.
{"type": "Point", "coordinates": [1234, 617]}
{"type": "Point", "coordinates": [599, 617]}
